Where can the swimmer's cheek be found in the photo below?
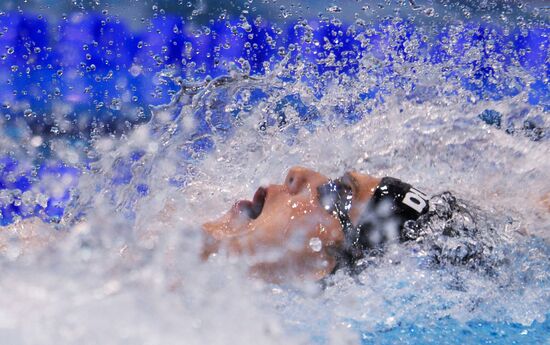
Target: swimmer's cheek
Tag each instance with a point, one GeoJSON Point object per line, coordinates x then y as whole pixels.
{"type": "Point", "coordinates": [216, 240]}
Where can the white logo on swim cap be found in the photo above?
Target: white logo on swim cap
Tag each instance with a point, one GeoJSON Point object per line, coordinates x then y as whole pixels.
{"type": "Point", "coordinates": [416, 200]}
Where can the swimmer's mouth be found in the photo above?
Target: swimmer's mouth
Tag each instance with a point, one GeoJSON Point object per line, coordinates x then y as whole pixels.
{"type": "Point", "coordinates": [253, 208]}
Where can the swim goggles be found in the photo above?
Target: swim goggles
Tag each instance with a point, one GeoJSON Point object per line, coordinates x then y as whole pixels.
{"type": "Point", "coordinates": [382, 219]}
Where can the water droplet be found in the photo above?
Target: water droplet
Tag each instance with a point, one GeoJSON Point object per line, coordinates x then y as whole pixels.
{"type": "Point", "coordinates": [28, 199]}
{"type": "Point", "coordinates": [430, 12]}
{"type": "Point", "coordinates": [334, 9]}
{"type": "Point", "coordinates": [42, 200]}
{"type": "Point", "coordinates": [116, 104]}
{"type": "Point", "coordinates": [36, 141]}
{"type": "Point", "coordinates": [315, 244]}
{"type": "Point", "coordinates": [16, 197]}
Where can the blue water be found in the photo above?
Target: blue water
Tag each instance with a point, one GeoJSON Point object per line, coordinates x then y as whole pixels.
{"type": "Point", "coordinates": [105, 122]}
{"type": "Point", "coordinates": [449, 331]}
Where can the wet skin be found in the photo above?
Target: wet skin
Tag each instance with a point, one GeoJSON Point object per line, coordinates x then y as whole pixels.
{"type": "Point", "coordinates": [284, 229]}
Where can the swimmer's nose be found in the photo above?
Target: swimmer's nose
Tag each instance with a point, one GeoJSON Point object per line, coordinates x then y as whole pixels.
{"type": "Point", "coordinates": [299, 178]}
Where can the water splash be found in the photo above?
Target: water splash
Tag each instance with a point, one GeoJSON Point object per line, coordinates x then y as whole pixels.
{"type": "Point", "coordinates": [407, 106]}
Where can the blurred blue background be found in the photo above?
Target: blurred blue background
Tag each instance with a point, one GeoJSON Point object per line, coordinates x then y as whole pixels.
{"type": "Point", "coordinates": [75, 70]}
{"type": "Point", "coordinates": [68, 68]}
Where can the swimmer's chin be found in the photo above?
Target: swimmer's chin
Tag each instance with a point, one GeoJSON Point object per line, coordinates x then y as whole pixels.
{"type": "Point", "coordinates": [223, 227]}
{"type": "Point", "coordinates": [215, 233]}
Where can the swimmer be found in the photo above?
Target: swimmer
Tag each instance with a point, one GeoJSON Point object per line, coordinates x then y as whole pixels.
{"type": "Point", "coordinates": [311, 226]}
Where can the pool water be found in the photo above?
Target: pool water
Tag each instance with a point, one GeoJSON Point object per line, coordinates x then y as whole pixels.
{"type": "Point", "coordinates": [119, 139]}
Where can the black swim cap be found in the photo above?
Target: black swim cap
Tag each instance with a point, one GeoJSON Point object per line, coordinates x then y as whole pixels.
{"type": "Point", "coordinates": [393, 203]}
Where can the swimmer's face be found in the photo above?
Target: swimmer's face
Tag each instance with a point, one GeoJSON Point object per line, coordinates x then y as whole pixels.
{"type": "Point", "coordinates": [285, 227]}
